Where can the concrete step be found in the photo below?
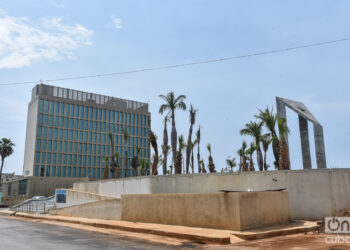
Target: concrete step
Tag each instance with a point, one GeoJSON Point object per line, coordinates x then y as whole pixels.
{"type": "Point", "coordinates": [200, 235]}
{"type": "Point", "coordinates": [294, 227]}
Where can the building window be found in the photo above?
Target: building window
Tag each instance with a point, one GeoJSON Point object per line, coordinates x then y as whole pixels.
{"type": "Point", "coordinates": [22, 187]}
{"type": "Point", "coordinates": [53, 171]}
{"type": "Point", "coordinates": [36, 172]}
{"type": "Point", "coordinates": [47, 170]}
{"type": "Point", "coordinates": [42, 170]}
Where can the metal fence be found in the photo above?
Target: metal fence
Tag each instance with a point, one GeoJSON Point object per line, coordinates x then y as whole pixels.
{"type": "Point", "coordinates": [35, 206]}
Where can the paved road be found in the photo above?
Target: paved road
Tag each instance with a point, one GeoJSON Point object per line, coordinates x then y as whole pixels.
{"type": "Point", "coordinates": [26, 235]}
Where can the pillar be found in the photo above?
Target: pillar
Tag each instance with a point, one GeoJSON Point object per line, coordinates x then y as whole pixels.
{"type": "Point", "coordinates": [305, 144]}
{"type": "Point", "coordinates": [319, 146]}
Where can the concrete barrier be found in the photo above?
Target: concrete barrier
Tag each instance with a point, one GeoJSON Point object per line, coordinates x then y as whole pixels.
{"type": "Point", "coordinates": [230, 211]}
{"type": "Point", "coordinates": [74, 197]}
{"type": "Point", "coordinates": [313, 193]}
{"type": "Point", "coordinates": [104, 209]}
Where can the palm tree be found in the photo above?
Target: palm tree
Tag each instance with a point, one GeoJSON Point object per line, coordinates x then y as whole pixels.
{"type": "Point", "coordinates": [270, 121]}
{"type": "Point", "coordinates": [189, 140]}
{"type": "Point", "coordinates": [106, 170]}
{"type": "Point", "coordinates": [242, 157]}
{"type": "Point", "coordinates": [144, 166]}
{"type": "Point", "coordinates": [153, 141]}
{"type": "Point", "coordinates": [266, 141]}
{"type": "Point", "coordinates": [171, 104]}
{"type": "Point", "coordinates": [254, 129]}
{"type": "Point", "coordinates": [116, 160]}
{"type": "Point", "coordinates": [192, 155]}
{"type": "Point", "coordinates": [201, 162]}
{"type": "Point", "coordinates": [126, 138]}
{"type": "Point", "coordinates": [231, 163]}
{"type": "Point", "coordinates": [111, 141]}
{"type": "Point", "coordinates": [211, 165]}
{"type": "Point", "coordinates": [165, 146]}
{"type": "Point", "coordinates": [135, 162]}
{"type": "Point", "coordinates": [250, 152]}
{"type": "Point", "coordinates": [179, 157]}
{"type": "Point", "coordinates": [283, 129]}
{"type": "Point", "coordinates": [198, 140]}
{"type": "Point", "coordinates": [6, 149]}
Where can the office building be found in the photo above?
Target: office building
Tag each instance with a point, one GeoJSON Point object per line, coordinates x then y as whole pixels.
{"type": "Point", "coordinates": [67, 133]}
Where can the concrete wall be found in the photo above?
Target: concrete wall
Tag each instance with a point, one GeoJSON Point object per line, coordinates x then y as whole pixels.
{"type": "Point", "coordinates": [32, 118]}
{"type": "Point", "coordinates": [39, 186]}
{"type": "Point", "coordinates": [313, 193]}
{"type": "Point", "coordinates": [105, 209]}
{"type": "Point", "coordinates": [76, 198]}
{"type": "Point", "coordinates": [230, 211]}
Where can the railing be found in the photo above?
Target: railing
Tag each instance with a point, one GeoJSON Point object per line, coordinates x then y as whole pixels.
{"type": "Point", "coordinates": [35, 206]}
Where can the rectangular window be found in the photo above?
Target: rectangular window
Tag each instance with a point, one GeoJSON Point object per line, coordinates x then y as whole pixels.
{"type": "Point", "coordinates": [59, 157]}
{"type": "Point", "coordinates": [41, 106]}
{"type": "Point", "coordinates": [42, 170]}
{"type": "Point", "coordinates": [48, 158]}
{"type": "Point", "coordinates": [46, 106]}
{"type": "Point", "coordinates": [49, 143]}
{"type": "Point", "coordinates": [62, 109]}
{"type": "Point", "coordinates": [52, 105]}
{"type": "Point", "coordinates": [69, 171]}
{"type": "Point", "coordinates": [47, 170]}
{"type": "Point", "coordinates": [53, 171]}
{"type": "Point", "coordinates": [57, 108]}
{"type": "Point", "coordinates": [43, 157]}
{"type": "Point", "coordinates": [58, 171]}
{"type": "Point", "coordinates": [37, 157]}
{"type": "Point", "coordinates": [69, 159]}
{"type": "Point", "coordinates": [79, 172]}
{"type": "Point", "coordinates": [63, 171]}
{"type": "Point", "coordinates": [84, 172]}
{"type": "Point", "coordinates": [36, 172]}
{"type": "Point", "coordinates": [53, 159]}
{"type": "Point", "coordinates": [38, 145]}
{"type": "Point", "coordinates": [74, 171]}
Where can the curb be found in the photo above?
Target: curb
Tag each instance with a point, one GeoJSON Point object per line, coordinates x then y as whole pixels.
{"type": "Point", "coordinates": [199, 238]}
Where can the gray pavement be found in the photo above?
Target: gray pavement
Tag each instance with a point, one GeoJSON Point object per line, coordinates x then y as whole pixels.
{"type": "Point", "coordinates": [26, 235]}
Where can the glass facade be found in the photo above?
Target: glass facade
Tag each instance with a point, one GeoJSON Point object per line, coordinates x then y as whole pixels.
{"type": "Point", "coordinates": [72, 139]}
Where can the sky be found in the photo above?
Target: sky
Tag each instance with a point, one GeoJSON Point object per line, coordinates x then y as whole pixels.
{"type": "Point", "coordinates": [54, 39]}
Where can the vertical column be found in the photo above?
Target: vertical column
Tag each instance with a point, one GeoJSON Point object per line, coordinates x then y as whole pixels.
{"type": "Point", "coordinates": [305, 144]}
{"type": "Point", "coordinates": [319, 146]}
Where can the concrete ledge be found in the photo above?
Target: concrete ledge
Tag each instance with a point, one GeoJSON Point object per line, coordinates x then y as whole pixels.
{"type": "Point", "coordinates": [228, 211]}
{"type": "Point", "coordinates": [107, 209]}
{"type": "Point", "coordinates": [291, 228]}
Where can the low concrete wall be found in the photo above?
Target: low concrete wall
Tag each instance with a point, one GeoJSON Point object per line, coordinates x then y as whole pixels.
{"type": "Point", "coordinates": [104, 209]}
{"type": "Point", "coordinates": [313, 194]}
{"type": "Point", "coordinates": [230, 211]}
{"type": "Point", "coordinates": [74, 197]}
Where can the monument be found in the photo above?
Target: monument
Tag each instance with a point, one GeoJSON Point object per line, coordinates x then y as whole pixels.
{"type": "Point", "coordinates": [304, 116]}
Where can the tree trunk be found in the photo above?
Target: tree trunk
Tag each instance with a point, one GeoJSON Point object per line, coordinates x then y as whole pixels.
{"type": "Point", "coordinates": [126, 161]}
{"type": "Point", "coordinates": [251, 163]}
{"type": "Point", "coordinates": [106, 172]}
{"type": "Point", "coordinates": [153, 140]}
{"type": "Point", "coordinates": [189, 149]}
{"type": "Point", "coordinates": [113, 162]}
{"type": "Point", "coordinates": [192, 160]}
{"type": "Point", "coordinates": [165, 149]}
{"type": "Point", "coordinates": [211, 165]}
{"type": "Point", "coordinates": [265, 166]}
{"type": "Point", "coordinates": [240, 164]}
{"type": "Point", "coordinates": [199, 159]}
{"type": "Point", "coordinates": [276, 152]}
{"type": "Point", "coordinates": [173, 138]}
{"type": "Point", "coordinates": [284, 156]}
{"type": "Point", "coordinates": [2, 166]}
{"type": "Point", "coordinates": [178, 164]}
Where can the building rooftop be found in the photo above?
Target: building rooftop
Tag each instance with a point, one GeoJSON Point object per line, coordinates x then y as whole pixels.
{"type": "Point", "coordinates": [70, 94]}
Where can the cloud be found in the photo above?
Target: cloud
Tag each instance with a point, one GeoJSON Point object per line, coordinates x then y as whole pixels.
{"type": "Point", "coordinates": [22, 42]}
{"type": "Point", "coordinates": [58, 5]}
{"type": "Point", "coordinates": [117, 23]}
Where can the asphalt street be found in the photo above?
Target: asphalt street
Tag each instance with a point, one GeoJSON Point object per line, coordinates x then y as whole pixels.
{"type": "Point", "coordinates": [27, 235]}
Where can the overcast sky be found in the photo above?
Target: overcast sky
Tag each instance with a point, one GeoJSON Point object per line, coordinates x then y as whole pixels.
{"type": "Point", "coordinates": [54, 39]}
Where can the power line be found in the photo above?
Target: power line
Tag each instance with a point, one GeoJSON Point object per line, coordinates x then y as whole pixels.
{"type": "Point", "coordinates": [184, 64]}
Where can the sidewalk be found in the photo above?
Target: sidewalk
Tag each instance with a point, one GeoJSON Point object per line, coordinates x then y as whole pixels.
{"type": "Point", "coordinates": [200, 235]}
